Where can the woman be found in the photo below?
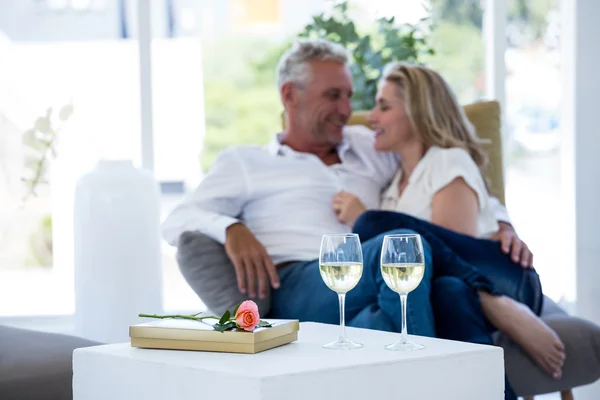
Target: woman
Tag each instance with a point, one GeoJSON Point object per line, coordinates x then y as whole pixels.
{"type": "Point", "coordinates": [440, 180]}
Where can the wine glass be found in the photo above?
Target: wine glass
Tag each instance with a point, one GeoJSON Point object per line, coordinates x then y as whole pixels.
{"type": "Point", "coordinates": [341, 265]}
{"type": "Point", "coordinates": [402, 267]}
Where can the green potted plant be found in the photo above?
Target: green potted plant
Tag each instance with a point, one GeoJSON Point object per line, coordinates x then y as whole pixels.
{"type": "Point", "coordinates": [41, 141]}
{"type": "Point", "coordinates": [371, 51]}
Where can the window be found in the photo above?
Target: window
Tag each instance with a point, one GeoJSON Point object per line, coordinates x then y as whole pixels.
{"type": "Point", "coordinates": [456, 37]}
{"type": "Point", "coordinates": [251, 12]}
{"type": "Point", "coordinates": [459, 48]}
{"type": "Point", "coordinates": [214, 86]}
{"type": "Point", "coordinates": [71, 5]}
{"type": "Point", "coordinates": [212, 90]}
{"type": "Point", "coordinates": [533, 92]}
{"type": "Point", "coordinates": [85, 65]}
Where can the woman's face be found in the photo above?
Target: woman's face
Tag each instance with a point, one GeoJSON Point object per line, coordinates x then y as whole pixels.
{"type": "Point", "coordinates": [389, 120]}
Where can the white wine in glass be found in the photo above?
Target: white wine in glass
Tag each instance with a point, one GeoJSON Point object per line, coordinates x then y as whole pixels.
{"type": "Point", "coordinates": [341, 266]}
{"type": "Point", "coordinates": [403, 267]}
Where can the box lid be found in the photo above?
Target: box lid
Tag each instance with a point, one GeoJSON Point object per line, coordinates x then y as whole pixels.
{"type": "Point", "coordinates": [182, 329]}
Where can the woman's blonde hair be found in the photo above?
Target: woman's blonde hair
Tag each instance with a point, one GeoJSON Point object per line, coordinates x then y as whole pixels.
{"type": "Point", "coordinates": [433, 110]}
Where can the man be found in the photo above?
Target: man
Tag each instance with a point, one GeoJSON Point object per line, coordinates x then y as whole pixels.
{"type": "Point", "coordinates": [270, 205]}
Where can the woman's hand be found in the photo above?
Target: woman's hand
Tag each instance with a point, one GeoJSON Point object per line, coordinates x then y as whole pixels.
{"type": "Point", "coordinates": [347, 207]}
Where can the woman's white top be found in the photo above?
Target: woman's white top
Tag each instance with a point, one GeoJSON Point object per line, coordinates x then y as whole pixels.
{"type": "Point", "coordinates": [435, 170]}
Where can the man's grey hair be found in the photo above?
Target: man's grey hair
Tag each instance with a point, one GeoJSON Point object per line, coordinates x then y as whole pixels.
{"type": "Point", "coordinates": [293, 64]}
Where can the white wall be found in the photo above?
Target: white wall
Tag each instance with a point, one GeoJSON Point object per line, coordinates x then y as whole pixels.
{"type": "Point", "coordinates": [581, 157]}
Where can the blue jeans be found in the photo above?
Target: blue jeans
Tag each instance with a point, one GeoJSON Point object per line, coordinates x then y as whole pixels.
{"type": "Point", "coordinates": [458, 316]}
{"type": "Point", "coordinates": [371, 304]}
{"type": "Point", "coordinates": [462, 265]}
{"type": "Point", "coordinates": [478, 262]}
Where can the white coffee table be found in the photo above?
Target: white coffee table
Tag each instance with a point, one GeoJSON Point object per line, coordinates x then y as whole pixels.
{"type": "Point", "coordinates": [298, 371]}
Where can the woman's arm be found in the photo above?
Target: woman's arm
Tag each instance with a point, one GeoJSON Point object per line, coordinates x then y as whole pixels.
{"type": "Point", "coordinates": [456, 207]}
{"type": "Point", "coordinates": [347, 207]}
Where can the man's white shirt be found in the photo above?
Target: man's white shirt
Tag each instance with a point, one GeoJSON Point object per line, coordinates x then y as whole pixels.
{"type": "Point", "coordinates": [285, 197]}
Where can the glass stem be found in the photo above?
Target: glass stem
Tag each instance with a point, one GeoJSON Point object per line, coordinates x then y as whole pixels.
{"type": "Point", "coordinates": [404, 334]}
{"type": "Point", "coordinates": [342, 298]}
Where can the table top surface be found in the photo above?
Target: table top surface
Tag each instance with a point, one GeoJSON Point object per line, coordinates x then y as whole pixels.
{"type": "Point", "coordinates": [304, 355]}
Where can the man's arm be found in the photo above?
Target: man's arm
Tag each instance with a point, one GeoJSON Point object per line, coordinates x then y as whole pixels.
{"type": "Point", "coordinates": [213, 209]}
{"type": "Point", "coordinates": [214, 205]}
{"type": "Point", "coordinates": [507, 236]}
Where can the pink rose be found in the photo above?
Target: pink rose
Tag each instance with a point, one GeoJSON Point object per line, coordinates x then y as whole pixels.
{"type": "Point", "coordinates": [247, 316]}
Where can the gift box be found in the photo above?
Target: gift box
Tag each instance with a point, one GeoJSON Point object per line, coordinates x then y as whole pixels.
{"type": "Point", "coordinates": [181, 334]}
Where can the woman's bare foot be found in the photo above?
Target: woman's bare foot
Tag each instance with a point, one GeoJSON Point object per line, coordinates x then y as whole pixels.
{"type": "Point", "coordinates": [525, 328]}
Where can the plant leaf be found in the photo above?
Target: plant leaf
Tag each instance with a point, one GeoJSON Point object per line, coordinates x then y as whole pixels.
{"type": "Point", "coordinates": [264, 324]}
{"type": "Point", "coordinates": [65, 112]}
{"type": "Point", "coordinates": [225, 317]}
{"type": "Point", "coordinates": [43, 125]}
{"type": "Point", "coordinates": [235, 310]}
{"type": "Point", "coordinates": [224, 327]}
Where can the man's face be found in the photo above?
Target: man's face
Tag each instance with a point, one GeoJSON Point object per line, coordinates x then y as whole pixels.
{"type": "Point", "coordinates": [322, 106]}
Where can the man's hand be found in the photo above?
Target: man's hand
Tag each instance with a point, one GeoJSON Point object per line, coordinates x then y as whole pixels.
{"type": "Point", "coordinates": [347, 207]}
{"type": "Point", "coordinates": [251, 261]}
{"type": "Point", "coordinates": [511, 244]}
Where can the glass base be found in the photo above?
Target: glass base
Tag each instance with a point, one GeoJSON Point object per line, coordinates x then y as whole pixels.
{"type": "Point", "coordinates": [404, 346]}
{"type": "Point", "coordinates": [343, 344]}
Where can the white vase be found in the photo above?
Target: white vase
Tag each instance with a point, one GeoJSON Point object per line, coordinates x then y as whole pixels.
{"type": "Point", "coordinates": [117, 242]}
